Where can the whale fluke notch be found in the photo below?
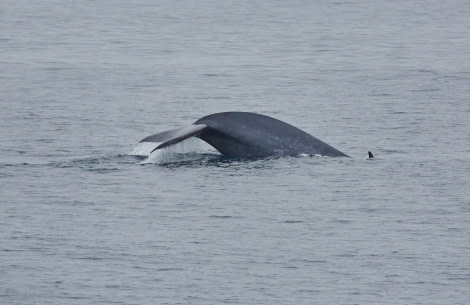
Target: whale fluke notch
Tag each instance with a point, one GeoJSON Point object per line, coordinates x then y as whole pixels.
{"type": "Point", "coordinates": [247, 135]}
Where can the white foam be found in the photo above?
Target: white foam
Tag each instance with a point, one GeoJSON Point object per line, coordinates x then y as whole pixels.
{"type": "Point", "coordinates": [189, 149]}
{"type": "Point", "coordinates": [309, 155]}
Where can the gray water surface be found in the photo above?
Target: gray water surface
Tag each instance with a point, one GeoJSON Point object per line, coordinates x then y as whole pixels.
{"type": "Point", "coordinates": [84, 222]}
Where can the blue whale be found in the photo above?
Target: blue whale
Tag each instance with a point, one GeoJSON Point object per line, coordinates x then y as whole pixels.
{"type": "Point", "coordinates": [247, 135]}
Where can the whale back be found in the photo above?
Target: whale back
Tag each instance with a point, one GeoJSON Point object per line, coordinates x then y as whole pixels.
{"type": "Point", "coordinates": [251, 135]}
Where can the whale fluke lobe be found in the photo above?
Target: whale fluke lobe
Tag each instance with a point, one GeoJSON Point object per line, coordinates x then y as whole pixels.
{"type": "Point", "coordinates": [247, 135]}
{"type": "Point", "coordinates": [175, 135]}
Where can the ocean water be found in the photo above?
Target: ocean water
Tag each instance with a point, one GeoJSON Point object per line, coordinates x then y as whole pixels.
{"type": "Point", "coordinates": [87, 217]}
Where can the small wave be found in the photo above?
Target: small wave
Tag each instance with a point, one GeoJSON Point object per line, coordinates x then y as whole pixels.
{"type": "Point", "coordinates": [293, 221]}
{"type": "Point", "coordinates": [95, 163]}
{"type": "Point", "coordinates": [224, 217]}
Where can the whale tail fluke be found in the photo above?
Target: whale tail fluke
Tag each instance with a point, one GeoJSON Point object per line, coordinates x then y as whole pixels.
{"type": "Point", "coordinates": [173, 136]}
{"type": "Point", "coordinates": [247, 135]}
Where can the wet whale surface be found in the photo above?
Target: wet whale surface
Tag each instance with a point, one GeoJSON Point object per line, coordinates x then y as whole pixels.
{"type": "Point", "coordinates": [247, 135]}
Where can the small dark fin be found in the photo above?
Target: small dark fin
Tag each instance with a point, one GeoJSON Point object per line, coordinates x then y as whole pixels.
{"type": "Point", "coordinates": [370, 155]}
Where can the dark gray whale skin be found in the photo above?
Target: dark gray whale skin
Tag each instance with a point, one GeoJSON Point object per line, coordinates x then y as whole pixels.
{"type": "Point", "coordinates": [247, 135]}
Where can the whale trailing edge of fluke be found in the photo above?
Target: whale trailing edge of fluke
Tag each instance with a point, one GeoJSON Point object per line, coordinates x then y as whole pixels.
{"type": "Point", "coordinates": [174, 136]}
{"type": "Point", "coordinates": [247, 135]}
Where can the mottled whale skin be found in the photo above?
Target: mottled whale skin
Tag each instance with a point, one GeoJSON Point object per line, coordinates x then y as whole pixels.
{"type": "Point", "coordinates": [247, 135]}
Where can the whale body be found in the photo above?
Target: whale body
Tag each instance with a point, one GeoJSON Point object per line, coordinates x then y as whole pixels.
{"type": "Point", "coordinates": [247, 135]}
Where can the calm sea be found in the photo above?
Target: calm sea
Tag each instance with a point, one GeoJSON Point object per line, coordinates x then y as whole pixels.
{"type": "Point", "coordinates": [83, 221]}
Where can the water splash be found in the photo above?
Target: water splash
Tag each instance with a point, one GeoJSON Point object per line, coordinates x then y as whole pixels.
{"type": "Point", "coordinates": [188, 150]}
{"type": "Point", "coordinates": [143, 149]}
